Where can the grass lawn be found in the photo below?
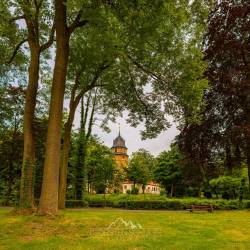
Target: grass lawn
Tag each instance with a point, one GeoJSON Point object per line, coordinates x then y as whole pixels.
{"type": "Point", "coordinates": [88, 229]}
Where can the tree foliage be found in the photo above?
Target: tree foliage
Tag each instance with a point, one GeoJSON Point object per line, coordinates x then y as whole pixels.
{"type": "Point", "coordinates": [222, 137]}
{"type": "Point", "coordinates": [100, 167]}
{"type": "Point", "coordinates": [168, 170]}
{"type": "Point", "coordinates": [140, 167]}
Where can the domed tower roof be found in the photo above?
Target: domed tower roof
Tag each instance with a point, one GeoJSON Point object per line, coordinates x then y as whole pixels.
{"type": "Point", "coordinates": [119, 142]}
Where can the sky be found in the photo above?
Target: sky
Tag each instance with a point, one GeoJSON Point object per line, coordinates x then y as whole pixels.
{"type": "Point", "coordinates": [132, 136]}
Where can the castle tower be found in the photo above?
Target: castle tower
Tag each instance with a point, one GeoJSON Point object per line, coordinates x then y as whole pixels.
{"type": "Point", "coordinates": [119, 150]}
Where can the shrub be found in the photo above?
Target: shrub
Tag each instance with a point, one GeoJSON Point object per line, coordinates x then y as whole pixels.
{"type": "Point", "coordinates": [116, 191]}
{"type": "Point", "coordinates": [170, 205]}
{"type": "Point", "coordinates": [163, 192]}
{"type": "Point", "coordinates": [192, 191]}
{"type": "Point", "coordinates": [76, 203]}
{"type": "Point", "coordinates": [228, 187]}
{"type": "Point", "coordinates": [134, 190]}
{"type": "Point", "coordinates": [148, 201]}
{"type": "Point", "coordinates": [128, 191]}
{"type": "Point", "coordinates": [246, 204]}
{"type": "Point", "coordinates": [208, 194]}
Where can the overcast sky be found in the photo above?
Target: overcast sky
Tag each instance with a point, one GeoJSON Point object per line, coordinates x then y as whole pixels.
{"type": "Point", "coordinates": [132, 136]}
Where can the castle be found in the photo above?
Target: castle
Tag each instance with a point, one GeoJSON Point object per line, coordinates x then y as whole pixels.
{"type": "Point", "coordinates": [120, 156]}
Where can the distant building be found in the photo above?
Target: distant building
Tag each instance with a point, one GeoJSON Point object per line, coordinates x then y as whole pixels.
{"type": "Point", "coordinates": [119, 151]}
{"type": "Point", "coordinates": [120, 155]}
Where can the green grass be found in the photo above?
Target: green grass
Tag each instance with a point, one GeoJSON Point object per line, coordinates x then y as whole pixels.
{"type": "Point", "coordinates": [88, 229]}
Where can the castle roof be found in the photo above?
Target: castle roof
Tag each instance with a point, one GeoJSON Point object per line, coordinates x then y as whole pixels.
{"type": "Point", "coordinates": [119, 142]}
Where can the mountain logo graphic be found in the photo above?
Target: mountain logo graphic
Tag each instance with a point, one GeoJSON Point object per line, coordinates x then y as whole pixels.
{"type": "Point", "coordinates": [121, 223]}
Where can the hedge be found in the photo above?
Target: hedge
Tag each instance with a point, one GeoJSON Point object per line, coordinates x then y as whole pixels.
{"type": "Point", "coordinates": [164, 204]}
{"type": "Point", "coordinates": [76, 203]}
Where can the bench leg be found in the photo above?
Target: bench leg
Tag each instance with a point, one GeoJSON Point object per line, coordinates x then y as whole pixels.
{"type": "Point", "coordinates": [192, 209]}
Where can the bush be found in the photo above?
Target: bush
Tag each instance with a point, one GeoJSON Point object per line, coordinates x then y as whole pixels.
{"type": "Point", "coordinates": [76, 203]}
{"type": "Point", "coordinates": [208, 194]}
{"type": "Point", "coordinates": [117, 191]}
{"type": "Point", "coordinates": [101, 203]}
{"type": "Point", "coordinates": [148, 201]}
{"type": "Point", "coordinates": [170, 205]}
{"type": "Point", "coordinates": [228, 187]}
{"type": "Point", "coordinates": [163, 192]}
{"type": "Point", "coordinates": [192, 191]}
{"type": "Point", "coordinates": [246, 204]}
{"type": "Point", "coordinates": [128, 191]}
{"type": "Point", "coordinates": [134, 190]}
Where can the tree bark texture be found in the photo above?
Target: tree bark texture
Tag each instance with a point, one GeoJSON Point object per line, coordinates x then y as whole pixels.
{"type": "Point", "coordinates": [248, 163]}
{"type": "Point", "coordinates": [27, 185]}
{"type": "Point", "coordinates": [65, 160]}
{"type": "Point", "coordinates": [49, 194]}
{"type": "Point", "coordinates": [74, 101]}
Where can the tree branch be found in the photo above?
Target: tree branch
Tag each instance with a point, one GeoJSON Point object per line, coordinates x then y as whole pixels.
{"type": "Point", "coordinates": [16, 50]}
{"type": "Point", "coordinates": [51, 39]}
{"type": "Point", "coordinates": [86, 111]}
{"type": "Point", "coordinates": [87, 88]}
{"type": "Point", "coordinates": [73, 91]}
{"type": "Point", "coordinates": [91, 119]}
{"type": "Point", "coordinates": [38, 4]}
{"type": "Point", "coordinates": [17, 18]}
{"type": "Point", "coordinates": [90, 86]}
{"type": "Point", "coordinates": [77, 22]}
{"type": "Point", "coordinates": [147, 71]}
{"type": "Point", "coordinates": [136, 92]}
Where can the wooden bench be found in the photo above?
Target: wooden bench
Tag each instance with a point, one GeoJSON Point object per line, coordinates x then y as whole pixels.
{"type": "Point", "coordinates": [97, 204]}
{"type": "Point", "coordinates": [208, 208]}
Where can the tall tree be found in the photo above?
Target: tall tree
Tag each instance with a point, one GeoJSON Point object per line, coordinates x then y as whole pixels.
{"type": "Point", "coordinates": [85, 71]}
{"type": "Point", "coordinates": [223, 134]}
{"type": "Point", "coordinates": [100, 167]}
{"type": "Point", "coordinates": [139, 25]}
{"type": "Point", "coordinates": [49, 194]}
{"type": "Point", "coordinates": [11, 112]}
{"type": "Point", "coordinates": [168, 169]}
{"type": "Point", "coordinates": [140, 167]}
{"type": "Point", "coordinates": [36, 16]}
{"type": "Point", "coordinates": [128, 71]}
{"type": "Point", "coordinates": [87, 121]}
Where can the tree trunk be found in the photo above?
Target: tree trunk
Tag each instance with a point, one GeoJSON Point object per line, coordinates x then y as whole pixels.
{"type": "Point", "coordinates": [247, 149]}
{"type": "Point", "coordinates": [27, 185]}
{"type": "Point", "coordinates": [143, 188]}
{"type": "Point", "coordinates": [248, 164]}
{"type": "Point", "coordinates": [74, 101]}
{"type": "Point", "coordinates": [64, 163]}
{"type": "Point", "coordinates": [80, 171]}
{"type": "Point", "coordinates": [229, 163]}
{"type": "Point", "coordinates": [65, 151]}
{"type": "Point", "coordinates": [49, 194]}
{"type": "Point", "coordinates": [172, 190]}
